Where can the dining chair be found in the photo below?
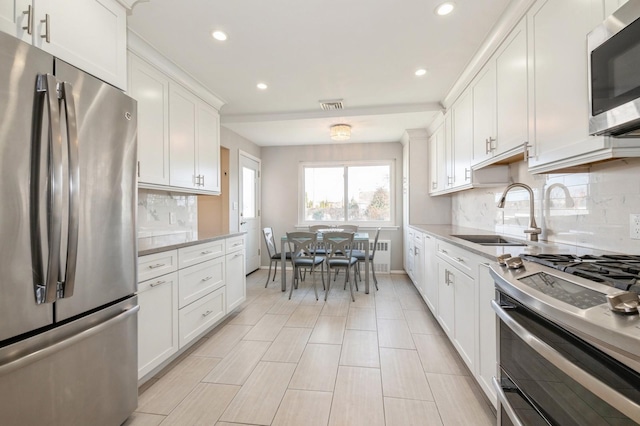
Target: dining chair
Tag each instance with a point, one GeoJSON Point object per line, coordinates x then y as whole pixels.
{"type": "Point", "coordinates": [274, 255]}
{"type": "Point", "coordinates": [339, 246]}
{"type": "Point", "coordinates": [349, 228]}
{"type": "Point", "coordinates": [303, 246]}
{"type": "Point", "coordinates": [360, 255]}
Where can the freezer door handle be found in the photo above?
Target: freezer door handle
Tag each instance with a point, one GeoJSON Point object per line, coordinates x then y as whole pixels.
{"type": "Point", "coordinates": [68, 281]}
{"type": "Point", "coordinates": [38, 355]}
{"type": "Point", "coordinates": [46, 283]}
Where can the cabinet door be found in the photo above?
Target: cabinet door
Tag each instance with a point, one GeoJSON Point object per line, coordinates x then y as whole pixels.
{"type": "Point", "coordinates": [182, 137]}
{"type": "Point", "coordinates": [484, 113]}
{"type": "Point", "coordinates": [89, 34]}
{"type": "Point", "coordinates": [13, 16]}
{"type": "Point", "coordinates": [199, 280]}
{"type": "Point", "coordinates": [157, 321]}
{"type": "Point", "coordinates": [464, 315]}
{"type": "Point", "coordinates": [487, 332]}
{"type": "Point", "coordinates": [418, 263]}
{"type": "Point", "coordinates": [236, 284]}
{"type": "Point", "coordinates": [151, 89]}
{"type": "Point", "coordinates": [411, 259]}
{"type": "Point", "coordinates": [430, 276]}
{"type": "Point", "coordinates": [445, 298]}
{"type": "Point", "coordinates": [447, 179]}
{"type": "Point", "coordinates": [208, 148]}
{"type": "Point", "coordinates": [511, 91]}
{"type": "Point", "coordinates": [434, 167]}
{"type": "Point", "coordinates": [462, 117]}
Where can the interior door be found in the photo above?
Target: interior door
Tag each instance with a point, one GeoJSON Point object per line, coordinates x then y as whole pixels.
{"type": "Point", "coordinates": [249, 197]}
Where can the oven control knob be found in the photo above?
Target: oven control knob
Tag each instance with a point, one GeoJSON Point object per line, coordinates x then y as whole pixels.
{"type": "Point", "coordinates": [514, 262]}
{"type": "Point", "coordinates": [502, 258]}
{"type": "Point", "coordinates": [624, 302]}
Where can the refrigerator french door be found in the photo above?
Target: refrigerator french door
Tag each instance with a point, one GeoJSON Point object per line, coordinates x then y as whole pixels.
{"type": "Point", "coordinates": [68, 323]}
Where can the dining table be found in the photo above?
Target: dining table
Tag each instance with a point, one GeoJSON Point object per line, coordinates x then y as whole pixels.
{"type": "Point", "coordinates": [359, 238]}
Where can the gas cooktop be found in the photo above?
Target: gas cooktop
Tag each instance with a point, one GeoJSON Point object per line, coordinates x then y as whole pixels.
{"type": "Point", "coordinates": [619, 271]}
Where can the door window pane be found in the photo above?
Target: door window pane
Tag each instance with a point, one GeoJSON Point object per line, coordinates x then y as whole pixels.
{"type": "Point", "coordinates": [248, 193]}
{"type": "Point", "coordinates": [323, 193]}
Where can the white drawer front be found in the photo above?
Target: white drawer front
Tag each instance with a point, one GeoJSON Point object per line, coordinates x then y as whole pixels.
{"type": "Point", "coordinates": [199, 280]}
{"type": "Point", "coordinates": [235, 243]}
{"type": "Point", "coordinates": [154, 265]}
{"type": "Point", "coordinates": [462, 259]}
{"type": "Point", "coordinates": [200, 315]}
{"type": "Point", "coordinates": [193, 255]}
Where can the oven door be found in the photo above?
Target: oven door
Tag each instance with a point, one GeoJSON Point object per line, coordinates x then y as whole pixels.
{"type": "Point", "coordinates": [549, 376]}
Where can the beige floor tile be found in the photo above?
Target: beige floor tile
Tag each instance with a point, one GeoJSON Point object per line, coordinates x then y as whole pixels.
{"type": "Point", "coordinates": [146, 385]}
{"type": "Point", "coordinates": [411, 302]}
{"type": "Point", "coordinates": [362, 319]}
{"type": "Point", "coordinates": [357, 399]}
{"type": "Point", "coordinates": [422, 322]}
{"type": "Point", "coordinates": [260, 397]}
{"type": "Point", "coordinates": [251, 314]}
{"type": "Point", "coordinates": [402, 375]}
{"type": "Point", "coordinates": [288, 346]}
{"type": "Point", "coordinates": [268, 328]}
{"type": "Point", "coordinates": [203, 406]}
{"type": "Point", "coordinates": [364, 300]}
{"type": "Point", "coordinates": [317, 368]}
{"type": "Point", "coordinates": [450, 390]}
{"type": "Point", "coordinates": [220, 344]}
{"type": "Point", "coordinates": [232, 424]}
{"type": "Point", "coordinates": [236, 367]}
{"type": "Point", "coordinates": [394, 334]}
{"type": "Point", "coordinates": [143, 419]}
{"type": "Point", "coordinates": [389, 309]}
{"type": "Point", "coordinates": [308, 408]}
{"type": "Point", "coordinates": [385, 288]}
{"type": "Point", "coordinates": [284, 307]}
{"type": "Point", "coordinates": [328, 330]}
{"type": "Point", "coordinates": [360, 349]}
{"type": "Point", "coordinates": [170, 390]}
{"type": "Point", "coordinates": [304, 316]}
{"type": "Point", "coordinates": [338, 307]}
{"type": "Point", "coordinates": [407, 412]}
{"type": "Point", "coordinates": [438, 355]}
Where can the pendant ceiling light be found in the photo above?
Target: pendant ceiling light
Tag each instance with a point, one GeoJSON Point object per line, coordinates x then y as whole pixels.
{"type": "Point", "coordinates": [340, 132]}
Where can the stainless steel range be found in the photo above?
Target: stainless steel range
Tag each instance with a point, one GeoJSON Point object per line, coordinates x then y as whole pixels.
{"type": "Point", "coordinates": [569, 346]}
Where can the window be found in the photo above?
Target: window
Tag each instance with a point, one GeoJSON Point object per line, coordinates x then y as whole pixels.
{"type": "Point", "coordinates": [353, 192]}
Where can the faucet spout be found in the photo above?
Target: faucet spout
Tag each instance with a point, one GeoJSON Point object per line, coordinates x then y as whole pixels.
{"type": "Point", "coordinates": [533, 231]}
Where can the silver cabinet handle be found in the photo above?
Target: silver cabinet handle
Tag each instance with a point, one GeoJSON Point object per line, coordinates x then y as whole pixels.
{"type": "Point", "coordinates": [237, 255]}
{"type": "Point", "coordinates": [157, 265]}
{"type": "Point", "coordinates": [504, 402]}
{"type": "Point", "coordinates": [47, 28]}
{"type": "Point", "coordinates": [459, 259]}
{"type": "Point", "coordinates": [207, 314]}
{"type": "Point", "coordinates": [29, 13]}
{"type": "Point", "coordinates": [491, 141]}
{"type": "Point", "coordinates": [609, 395]}
{"type": "Point", "coordinates": [434, 185]}
{"type": "Point", "coordinates": [446, 277]}
{"type": "Point", "coordinates": [467, 174]}
{"type": "Point", "coordinates": [417, 251]}
{"type": "Point", "coordinates": [157, 283]}
{"type": "Point", "coordinates": [206, 252]}
{"type": "Point", "coordinates": [449, 180]}
{"type": "Point", "coordinates": [443, 251]}
{"type": "Point", "coordinates": [202, 180]}
{"type": "Point", "coordinates": [237, 244]}
{"type": "Point", "coordinates": [206, 279]}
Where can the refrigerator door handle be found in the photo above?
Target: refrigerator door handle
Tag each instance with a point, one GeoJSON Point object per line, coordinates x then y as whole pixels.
{"type": "Point", "coordinates": [46, 290]}
{"type": "Point", "coordinates": [68, 281]}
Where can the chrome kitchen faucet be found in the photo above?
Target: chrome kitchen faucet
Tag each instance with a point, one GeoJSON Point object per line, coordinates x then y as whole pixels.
{"type": "Point", "coordinates": [533, 231]}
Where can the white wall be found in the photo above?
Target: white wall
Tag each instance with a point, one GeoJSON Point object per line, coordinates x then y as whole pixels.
{"type": "Point", "coordinates": [602, 200]}
{"type": "Point", "coordinates": [280, 167]}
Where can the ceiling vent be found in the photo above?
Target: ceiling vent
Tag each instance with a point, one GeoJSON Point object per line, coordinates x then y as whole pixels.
{"type": "Point", "coordinates": [331, 105]}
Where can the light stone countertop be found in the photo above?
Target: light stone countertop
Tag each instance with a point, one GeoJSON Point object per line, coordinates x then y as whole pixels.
{"type": "Point", "coordinates": [160, 243]}
{"type": "Point", "coordinates": [448, 232]}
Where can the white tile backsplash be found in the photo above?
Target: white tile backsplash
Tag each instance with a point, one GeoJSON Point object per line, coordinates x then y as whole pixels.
{"type": "Point", "coordinates": [589, 209]}
{"type": "Point", "coordinates": [163, 213]}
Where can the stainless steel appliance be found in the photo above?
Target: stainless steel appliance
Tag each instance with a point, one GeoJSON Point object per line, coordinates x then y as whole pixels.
{"type": "Point", "coordinates": [68, 323]}
{"type": "Point", "coordinates": [614, 81]}
{"type": "Point", "coordinates": [567, 356]}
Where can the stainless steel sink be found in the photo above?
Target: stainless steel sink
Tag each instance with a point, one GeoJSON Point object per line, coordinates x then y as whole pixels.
{"type": "Point", "coordinates": [489, 240]}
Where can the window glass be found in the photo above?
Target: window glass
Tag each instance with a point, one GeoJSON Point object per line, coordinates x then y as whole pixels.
{"type": "Point", "coordinates": [324, 194]}
{"type": "Point", "coordinates": [369, 193]}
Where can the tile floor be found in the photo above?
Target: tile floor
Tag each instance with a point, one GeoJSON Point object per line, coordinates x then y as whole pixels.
{"type": "Point", "coordinates": [381, 360]}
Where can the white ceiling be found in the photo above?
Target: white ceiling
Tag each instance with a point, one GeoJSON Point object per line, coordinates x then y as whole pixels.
{"type": "Point", "coordinates": [364, 52]}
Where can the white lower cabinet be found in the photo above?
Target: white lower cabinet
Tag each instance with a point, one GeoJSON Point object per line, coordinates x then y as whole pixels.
{"type": "Point", "coordinates": [157, 321]}
{"type": "Point", "coordinates": [446, 294]}
{"type": "Point", "coordinates": [430, 274]}
{"type": "Point", "coordinates": [487, 333]}
{"type": "Point", "coordinates": [236, 280]}
{"type": "Point", "coordinates": [196, 318]}
{"type": "Point", "coordinates": [199, 280]}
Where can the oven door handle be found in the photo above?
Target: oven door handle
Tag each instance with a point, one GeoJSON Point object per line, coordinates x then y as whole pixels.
{"type": "Point", "coordinates": [611, 396]}
{"type": "Point", "coordinates": [504, 402]}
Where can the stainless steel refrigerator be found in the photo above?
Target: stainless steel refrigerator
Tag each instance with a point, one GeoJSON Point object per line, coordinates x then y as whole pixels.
{"type": "Point", "coordinates": [68, 312]}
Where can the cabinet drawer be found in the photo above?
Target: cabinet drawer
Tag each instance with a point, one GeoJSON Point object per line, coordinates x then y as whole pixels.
{"type": "Point", "coordinates": [458, 257]}
{"type": "Point", "coordinates": [193, 255]}
{"type": "Point", "coordinates": [235, 244]}
{"type": "Point", "coordinates": [200, 315]}
{"type": "Point", "coordinates": [155, 265]}
{"type": "Point", "coordinates": [199, 280]}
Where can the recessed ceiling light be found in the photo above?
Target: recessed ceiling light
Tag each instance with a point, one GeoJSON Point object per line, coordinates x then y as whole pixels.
{"type": "Point", "coordinates": [421, 72]}
{"type": "Point", "coordinates": [261, 86]}
{"type": "Point", "coordinates": [219, 35]}
{"type": "Point", "coordinates": [445, 8]}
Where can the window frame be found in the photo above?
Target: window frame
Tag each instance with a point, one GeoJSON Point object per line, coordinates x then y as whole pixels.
{"type": "Point", "coordinates": [346, 164]}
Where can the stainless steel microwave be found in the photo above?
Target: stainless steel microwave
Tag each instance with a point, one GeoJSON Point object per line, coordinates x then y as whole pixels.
{"type": "Point", "coordinates": [614, 74]}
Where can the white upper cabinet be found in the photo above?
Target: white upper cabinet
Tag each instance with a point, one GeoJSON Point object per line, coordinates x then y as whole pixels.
{"type": "Point", "coordinates": [89, 34]}
{"type": "Point", "coordinates": [208, 144]}
{"type": "Point", "coordinates": [182, 137]}
{"type": "Point", "coordinates": [438, 154]}
{"type": "Point", "coordinates": [511, 91]}
{"type": "Point", "coordinates": [484, 113]}
{"type": "Point", "coordinates": [462, 121]}
{"type": "Point", "coordinates": [150, 88]}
